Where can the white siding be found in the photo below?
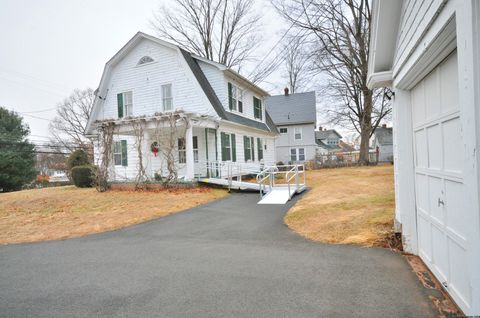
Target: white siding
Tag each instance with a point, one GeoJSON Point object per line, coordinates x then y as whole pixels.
{"type": "Point", "coordinates": [145, 82]}
{"type": "Point", "coordinates": [248, 95]}
{"type": "Point", "coordinates": [287, 141]}
{"type": "Point", "coordinates": [417, 16]}
{"type": "Point", "coordinates": [217, 80]}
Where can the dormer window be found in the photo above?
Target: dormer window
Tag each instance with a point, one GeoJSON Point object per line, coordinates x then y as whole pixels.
{"type": "Point", "coordinates": [235, 98]}
{"type": "Point", "coordinates": [144, 60]}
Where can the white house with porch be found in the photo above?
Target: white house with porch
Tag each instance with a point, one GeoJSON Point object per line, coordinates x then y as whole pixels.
{"type": "Point", "coordinates": [220, 114]}
{"type": "Point", "coordinates": [428, 53]}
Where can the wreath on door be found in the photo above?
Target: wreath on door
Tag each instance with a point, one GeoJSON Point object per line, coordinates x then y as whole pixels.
{"type": "Point", "coordinates": [154, 148]}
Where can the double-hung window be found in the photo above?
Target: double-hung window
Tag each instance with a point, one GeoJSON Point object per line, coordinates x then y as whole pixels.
{"type": "Point", "coordinates": [235, 98]}
{"type": "Point", "coordinates": [283, 130]}
{"type": "Point", "coordinates": [297, 154]}
{"type": "Point", "coordinates": [257, 108]}
{"type": "Point", "coordinates": [260, 148]}
{"type": "Point", "coordinates": [298, 133]}
{"type": "Point", "coordinates": [124, 104]}
{"type": "Point", "coordinates": [195, 148]}
{"type": "Point", "coordinates": [120, 153]}
{"type": "Point", "coordinates": [229, 148]}
{"type": "Point", "coordinates": [249, 148]}
{"type": "Point", "coordinates": [182, 155]}
{"type": "Point", "coordinates": [167, 98]}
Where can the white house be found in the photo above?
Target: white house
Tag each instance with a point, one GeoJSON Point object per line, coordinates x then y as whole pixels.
{"type": "Point", "coordinates": [295, 117]}
{"type": "Point", "coordinates": [148, 79]}
{"type": "Point", "coordinates": [428, 52]}
{"type": "Point", "coordinates": [328, 140]}
{"type": "Point", "coordinates": [383, 139]}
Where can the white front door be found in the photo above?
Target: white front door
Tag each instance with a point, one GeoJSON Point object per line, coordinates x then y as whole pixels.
{"type": "Point", "coordinates": [442, 217]}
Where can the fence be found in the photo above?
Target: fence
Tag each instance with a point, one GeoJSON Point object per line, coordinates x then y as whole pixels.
{"type": "Point", "coordinates": [340, 159]}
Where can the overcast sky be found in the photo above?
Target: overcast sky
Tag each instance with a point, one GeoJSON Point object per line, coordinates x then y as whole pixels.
{"type": "Point", "coordinates": [50, 47]}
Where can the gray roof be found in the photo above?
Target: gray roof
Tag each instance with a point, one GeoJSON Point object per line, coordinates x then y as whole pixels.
{"type": "Point", "coordinates": [217, 105]}
{"type": "Point", "coordinates": [320, 135]}
{"type": "Point", "coordinates": [384, 135]}
{"type": "Point", "coordinates": [299, 108]}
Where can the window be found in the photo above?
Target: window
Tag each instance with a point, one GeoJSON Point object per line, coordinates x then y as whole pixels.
{"type": "Point", "coordinates": [283, 131]}
{"type": "Point", "coordinates": [229, 148]}
{"type": "Point", "coordinates": [195, 148]}
{"type": "Point", "coordinates": [124, 104]}
{"type": "Point", "coordinates": [260, 148]}
{"type": "Point", "coordinates": [257, 108]}
{"type": "Point", "coordinates": [298, 133]}
{"type": "Point", "coordinates": [120, 153]}
{"type": "Point", "coordinates": [297, 154]}
{"type": "Point", "coordinates": [167, 99]}
{"type": "Point", "coordinates": [249, 148]}
{"type": "Point", "coordinates": [182, 155]}
{"type": "Point", "coordinates": [144, 60]}
{"type": "Point", "coordinates": [235, 98]}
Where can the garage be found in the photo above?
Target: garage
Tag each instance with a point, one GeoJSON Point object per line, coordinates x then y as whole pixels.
{"type": "Point", "coordinates": [441, 212]}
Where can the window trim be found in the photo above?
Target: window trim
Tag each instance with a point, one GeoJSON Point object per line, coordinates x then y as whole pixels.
{"type": "Point", "coordinates": [258, 105]}
{"type": "Point", "coordinates": [140, 63]}
{"type": "Point", "coordinates": [295, 133]}
{"type": "Point", "coordinates": [235, 100]}
{"type": "Point", "coordinates": [164, 99]}
{"type": "Point", "coordinates": [182, 152]}
{"type": "Point", "coordinates": [283, 133]}
{"type": "Point", "coordinates": [123, 159]}
{"type": "Point", "coordinates": [297, 154]}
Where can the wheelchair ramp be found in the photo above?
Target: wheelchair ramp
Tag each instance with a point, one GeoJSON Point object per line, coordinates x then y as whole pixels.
{"type": "Point", "coordinates": [237, 185]}
{"type": "Point", "coordinates": [276, 196]}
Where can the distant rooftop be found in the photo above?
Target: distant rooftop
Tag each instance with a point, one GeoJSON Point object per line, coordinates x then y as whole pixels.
{"type": "Point", "coordinates": [384, 135]}
{"type": "Point", "coordinates": [298, 108]}
{"type": "Point", "coordinates": [324, 133]}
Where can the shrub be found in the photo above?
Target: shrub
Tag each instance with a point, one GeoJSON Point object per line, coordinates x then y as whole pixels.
{"type": "Point", "coordinates": [77, 158]}
{"type": "Point", "coordinates": [83, 176]}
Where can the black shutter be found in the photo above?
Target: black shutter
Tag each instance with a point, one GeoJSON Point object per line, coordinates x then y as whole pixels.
{"type": "Point", "coordinates": [120, 105]}
{"type": "Point", "coordinates": [260, 149]}
{"type": "Point", "coordinates": [124, 153]}
{"type": "Point", "coordinates": [246, 152]}
{"type": "Point", "coordinates": [233, 145]}
{"type": "Point", "coordinates": [252, 147]}
{"type": "Point", "coordinates": [230, 97]}
{"type": "Point", "coordinates": [225, 151]}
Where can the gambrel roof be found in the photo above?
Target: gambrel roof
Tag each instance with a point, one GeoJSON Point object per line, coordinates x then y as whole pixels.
{"type": "Point", "coordinates": [192, 62]}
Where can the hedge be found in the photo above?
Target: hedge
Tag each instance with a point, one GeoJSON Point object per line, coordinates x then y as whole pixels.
{"type": "Point", "coordinates": [83, 176]}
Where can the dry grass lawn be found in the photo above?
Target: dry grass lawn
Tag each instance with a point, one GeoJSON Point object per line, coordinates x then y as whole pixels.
{"type": "Point", "coordinates": [63, 212]}
{"type": "Point", "coordinates": [346, 206]}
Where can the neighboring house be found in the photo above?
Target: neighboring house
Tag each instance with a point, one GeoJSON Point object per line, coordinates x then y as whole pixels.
{"type": "Point", "coordinates": [327, 140]}
{"type": "Point", "coordinates": [383, 139]}
{"type": "Point", "coordinates": [149, 79]}
{"type": "Point", "coordinates": [428, 53]}
{"type": "Point", "coordinates": [295, 117]}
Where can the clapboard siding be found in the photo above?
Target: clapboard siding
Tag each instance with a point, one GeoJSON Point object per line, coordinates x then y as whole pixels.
{"type": "Point", "coordinates": [145, 82]}
{"type": "Point", "coordinates": [216, 79]}
{"type": "Point", "coordinates": [417, 16]}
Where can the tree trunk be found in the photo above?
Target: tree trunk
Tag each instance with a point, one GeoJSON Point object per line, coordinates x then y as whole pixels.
{"type": "Point", "coordinates": [366, 127]}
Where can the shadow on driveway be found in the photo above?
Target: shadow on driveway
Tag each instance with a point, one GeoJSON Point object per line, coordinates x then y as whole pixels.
{"type": "Point", "coordinates": [229, 258]}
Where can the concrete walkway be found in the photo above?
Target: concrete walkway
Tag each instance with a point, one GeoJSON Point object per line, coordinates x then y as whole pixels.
{"type": "Point", "coordinates": [231, 258]}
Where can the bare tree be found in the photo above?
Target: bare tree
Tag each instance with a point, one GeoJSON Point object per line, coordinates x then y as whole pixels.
{"type": "Point", "coordinates": [296, 63]}
{"type": "Point", "coordinates": [139, 133]}
{"type": "Point", "coordinates": [68, 126]}
{"type": "Point", "coordinates": [167, 130]}
{"type": "Point", "coordinates": [225, 31]}
{"type": "Point", "coordinates": [341, 30]}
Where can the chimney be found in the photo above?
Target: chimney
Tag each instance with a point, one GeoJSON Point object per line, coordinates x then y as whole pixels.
{"type": "Point", "coordinates": [286, 91]}
{"type": "Point", "coordinates": [384, 125]}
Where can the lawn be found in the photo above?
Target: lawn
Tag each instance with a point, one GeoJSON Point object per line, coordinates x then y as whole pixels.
{"type": "Point", "coordinates": [63, 212]}
{"type": "Point", "coordinates": [346, 206]}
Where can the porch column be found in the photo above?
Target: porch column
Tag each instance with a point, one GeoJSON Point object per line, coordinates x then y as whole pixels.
{"type": "Point", "coordinates": [190, 164]}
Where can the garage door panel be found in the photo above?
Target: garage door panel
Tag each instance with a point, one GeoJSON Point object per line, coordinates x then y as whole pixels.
{"type": "Point", "coordinates": [449, 84]}
{"type": "Point", "coordinates": [424, 238]}
{"type": "Point", "coordinates": [439, 252]}
{"type": "Point", "coordinates": [452, 145]}
{"type": "Point", "coordinates": [418, 100]}
{"type": "Point", "coordinates": [456, 213]}
{"type": "Point", "coordinates": [435, 193]}
{"type": "Point", "coordinates": [458, 280]}
{"type": "Point", "coordinates": [422, 192]}
{"type": "Point", "coordinates": [421, 149]}
{"type": "Point", "coordinates": [432, 100]}
{"type": "Point", "coordinates": [434, 147]}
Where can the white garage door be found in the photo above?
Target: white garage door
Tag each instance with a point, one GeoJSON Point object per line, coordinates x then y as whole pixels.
{"type": "Point", "coordinates": [441, 215]}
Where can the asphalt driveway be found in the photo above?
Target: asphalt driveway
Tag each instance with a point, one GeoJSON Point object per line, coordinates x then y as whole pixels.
{"type": "Point", "coordinates": [230, 258]}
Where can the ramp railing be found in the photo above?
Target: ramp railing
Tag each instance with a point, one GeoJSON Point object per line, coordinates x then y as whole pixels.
{"type": "Point", "coordinates": [282, 176]}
